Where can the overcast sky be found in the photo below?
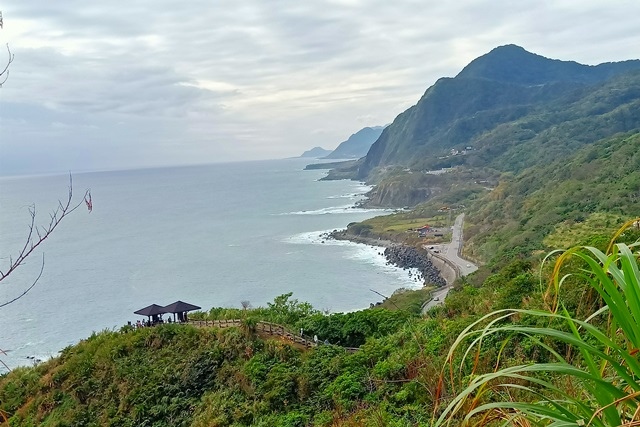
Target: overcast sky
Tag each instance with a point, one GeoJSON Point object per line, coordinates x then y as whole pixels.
{"type": "Point", "coordinates": [120, 84]}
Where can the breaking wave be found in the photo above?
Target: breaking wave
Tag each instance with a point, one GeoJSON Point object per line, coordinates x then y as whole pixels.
{"type": "Point", "coordinates": [348, 209]}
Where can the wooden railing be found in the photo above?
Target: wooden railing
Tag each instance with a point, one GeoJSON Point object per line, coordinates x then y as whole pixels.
{"type": "Point", "coordinates": [268, 328]}
{"type": "Point", "coordinates": [264, 327]}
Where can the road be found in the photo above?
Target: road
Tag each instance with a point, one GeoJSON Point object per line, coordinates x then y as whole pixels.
{"type": "Point", "coordinates": [451, 252]}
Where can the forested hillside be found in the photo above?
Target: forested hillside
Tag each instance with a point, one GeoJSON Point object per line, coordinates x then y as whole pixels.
{"type": "Point", "coordinates": [508, 96]}
{"type": "Point", "coordinates": [179, 375]}
{"type": "Point", "coordinates": [546, 155]}
{"type": "Point", "coordinates": [599, 182]}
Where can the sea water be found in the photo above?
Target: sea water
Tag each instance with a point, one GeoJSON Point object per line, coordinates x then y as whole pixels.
{"type": "Point", "coordinates": [211, 235]}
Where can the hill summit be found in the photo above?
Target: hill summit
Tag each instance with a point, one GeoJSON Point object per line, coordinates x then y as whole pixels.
{"type": "Point", "coordinates": [505, 87]}
{"type": "Point", "coordinates": [513, 64]}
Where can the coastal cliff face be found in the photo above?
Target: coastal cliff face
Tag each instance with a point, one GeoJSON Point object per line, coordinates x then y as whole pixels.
{"type": "Point", "coordinates": [505, 113]}
{"type": "Point", "coordinates": [179, 375]}
{"type": "Point", "coordinates": [399, 194]}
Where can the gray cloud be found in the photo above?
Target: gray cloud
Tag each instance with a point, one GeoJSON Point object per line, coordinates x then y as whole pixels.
{"type": "Point", "coordinates": [128, 83]}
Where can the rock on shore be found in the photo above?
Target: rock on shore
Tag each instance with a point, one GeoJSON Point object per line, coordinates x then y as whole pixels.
{"type": "Point", "coordinates": [410, 257]}
{"type": "Point", "coordinates": [402, 256]}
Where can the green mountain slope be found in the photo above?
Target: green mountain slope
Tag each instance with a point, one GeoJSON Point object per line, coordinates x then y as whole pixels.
{"type": "Point", "coordinates": [503, 87]}
{"type": "Point", "coordinates": [514, 64]}
{"type": "Point", "coordinates": [601, 181]}
{"type": "Point", "coordinates": [550, 165]}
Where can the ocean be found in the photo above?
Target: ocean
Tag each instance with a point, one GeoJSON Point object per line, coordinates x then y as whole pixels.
{"type": "Point", "coordinates": [210, 235]}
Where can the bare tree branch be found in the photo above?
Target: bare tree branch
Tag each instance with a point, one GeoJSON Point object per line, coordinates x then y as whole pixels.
{"type": "Point", "coordinates": [28, 289]}
{"type": "Point", "coordinates": [4, 74]}
{"type": "Point", "coordinates": [38, 234]}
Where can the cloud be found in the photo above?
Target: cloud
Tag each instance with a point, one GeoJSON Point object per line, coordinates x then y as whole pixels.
{"type": "Point", "coordinates": [129, 83]}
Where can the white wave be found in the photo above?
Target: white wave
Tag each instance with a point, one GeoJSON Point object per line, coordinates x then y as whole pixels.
{"type": "Point", "coordinates": [362, 188]}
{"type": "Point", "coordinates": [346, 196]}
{"type": "Point", "coordinates": [310, 238]}
{"type": "Point", "coordinates": [373, 255]}
{"type": "Point", "coordinates": [29, 344]}
{"type": "Point", "coordinates": [348, 209]}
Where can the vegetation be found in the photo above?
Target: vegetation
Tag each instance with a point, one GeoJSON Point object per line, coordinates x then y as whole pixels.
{"type": "Point", "coordinates": [574, 199]}
{"type": "Point", "coordinates": [600, 363]}
{"type": "Point", "coordinates": [529, 209]}
{"type": "Point", "coordinates": [512, 120]}
{"type": "Point", "coordinates": [181, 375]}
{"type": "Point", "coordinates": [553, 163]}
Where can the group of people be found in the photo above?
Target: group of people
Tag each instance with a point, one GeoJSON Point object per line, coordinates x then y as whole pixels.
{"type": "Point", "coordinates": [145, 323]}
{"type": "Point", "coordinates": [157, 320]}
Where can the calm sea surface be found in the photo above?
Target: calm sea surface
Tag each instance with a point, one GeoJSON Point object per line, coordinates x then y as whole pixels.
{"type": "Point", "coordinates": [209, 235]}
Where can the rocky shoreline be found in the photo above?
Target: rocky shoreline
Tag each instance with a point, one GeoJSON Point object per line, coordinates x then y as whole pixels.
{"type": "Point", "coordinates": [411, 257]}
{"type": "Point", "coordinates": [403, 256]}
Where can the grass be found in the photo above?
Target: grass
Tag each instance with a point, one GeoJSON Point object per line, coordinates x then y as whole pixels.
{"type": "Point", "coordinates": [601, 361]}
{"type": "Point", "coordinates": [401, 227]}
{"type": "Point", "coordinates": [570, 232]}
{"type": "Point", "coordinates": [398, 222]}
{"type": "Point", "coordinates": [408, 300]}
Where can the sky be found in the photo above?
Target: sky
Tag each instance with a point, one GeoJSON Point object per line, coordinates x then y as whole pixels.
{"type": "Point", "coordinates": [142, 83]}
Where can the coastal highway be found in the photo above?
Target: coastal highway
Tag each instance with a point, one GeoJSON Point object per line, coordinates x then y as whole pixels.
{"type": "Point", "coordinates": [451, 252]}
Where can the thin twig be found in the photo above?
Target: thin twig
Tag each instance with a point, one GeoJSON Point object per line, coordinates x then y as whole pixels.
{"type": "Point", "coordinates": [5, 72]}
{"type": "Point", "coordinates": [37, 235]}
{"type": "Point", "coordinates": [28, 289]}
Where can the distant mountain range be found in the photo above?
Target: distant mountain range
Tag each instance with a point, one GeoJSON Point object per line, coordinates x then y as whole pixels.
{"type": "Point", "coordinates": [316, 153]}
{"type": "Point", "coordinates": [356, 146]}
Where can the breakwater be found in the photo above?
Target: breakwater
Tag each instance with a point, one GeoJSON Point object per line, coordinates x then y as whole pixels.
{"type": "Point", "coordinates": [411, 257]}
{"type": "Point", "coordinates": [404, 256]}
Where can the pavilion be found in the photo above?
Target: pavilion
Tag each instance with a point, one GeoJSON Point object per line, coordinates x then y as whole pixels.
{"type": "Point", "coordinates": [154, 310]}
{"type": "Point", "coordinates": [181, 308]}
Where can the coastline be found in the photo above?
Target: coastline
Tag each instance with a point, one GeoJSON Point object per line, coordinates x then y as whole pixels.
{"type": "Point", "coordinates": [371, 241]}
{"type": "Point", "coordinates": [238, 234]}
{"type": "Point", "coordinates": [400, 255]}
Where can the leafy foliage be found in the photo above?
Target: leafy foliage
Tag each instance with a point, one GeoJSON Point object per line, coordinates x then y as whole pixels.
{"type": "Point", "coordinates": [180, 375]}
{"type": "Point", "coordinates": [550, 165]}
{"type": "Point", "coordinates": [601, 180]}
{"type": "Point", "coordinates": [605, 375]}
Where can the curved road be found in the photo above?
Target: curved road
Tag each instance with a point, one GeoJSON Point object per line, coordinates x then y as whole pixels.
{"type": "Point", "coordinates": [451, 252]}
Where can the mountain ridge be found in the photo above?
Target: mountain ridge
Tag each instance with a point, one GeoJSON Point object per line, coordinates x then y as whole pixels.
{"type": "Point", "coordinates": [357, 145]}
{"type": "Point", "coordinates": [494, 89]}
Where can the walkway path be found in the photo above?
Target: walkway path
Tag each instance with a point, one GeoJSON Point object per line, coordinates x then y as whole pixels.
{"type": "Point", "coordinates": [450, 251]}
{"type": "Point", "coordinates": [265, 328]}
